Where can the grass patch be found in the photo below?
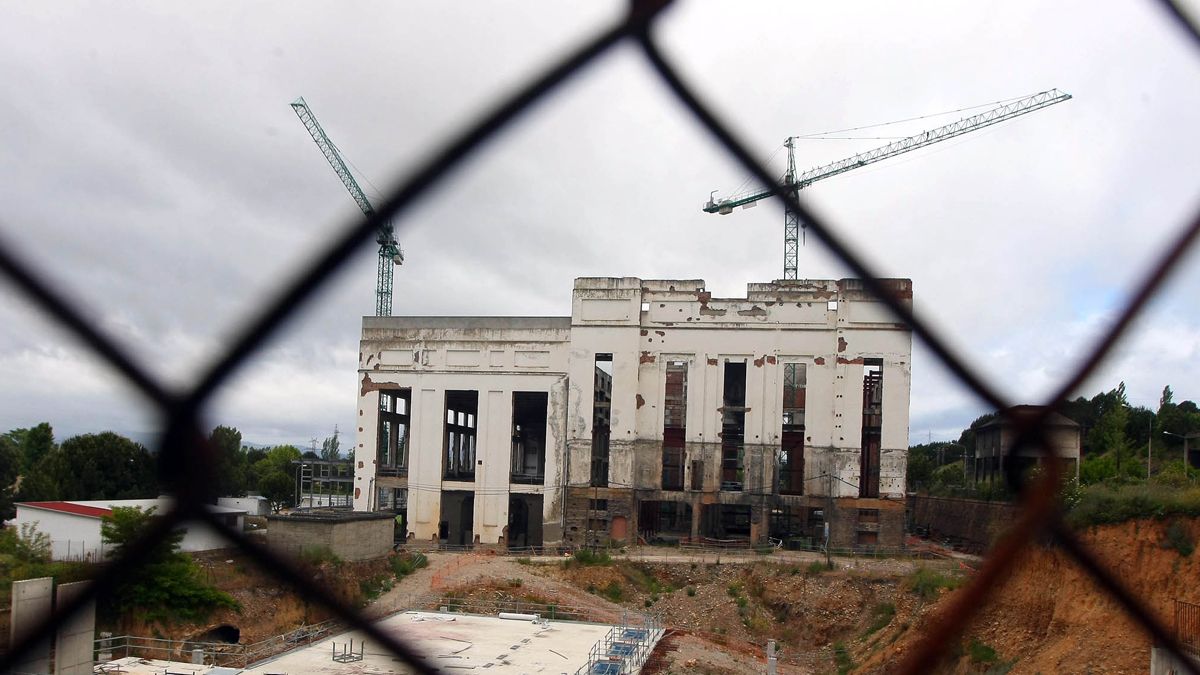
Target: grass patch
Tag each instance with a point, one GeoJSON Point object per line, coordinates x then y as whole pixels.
{"type": "Point", "coordinates": [841, 659]}
{"type": "Point", "coordinates": [523, 561]}
{"type": "Point", "coordinates": [691, 591]}
{"type": "Point", "coordinates": [814, 568]}
{"type": "Point", "coordinates": [1101, 504]}
{"type": "Point", "coordinates": [614, 591]}
{"type": "Point", "coordinates": [927, 583]}
{"type": "Point", "coordinates": [881, 616]}
{"type": "Point", "coordinates": [315, 556]}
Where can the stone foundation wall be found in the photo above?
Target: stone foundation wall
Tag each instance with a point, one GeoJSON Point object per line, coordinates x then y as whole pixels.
{"type": "Point", "coordinates": [356, 536]}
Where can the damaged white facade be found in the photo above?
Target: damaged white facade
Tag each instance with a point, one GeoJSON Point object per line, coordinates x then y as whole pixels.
{"type": "Point", "coordinates": [667, 413]}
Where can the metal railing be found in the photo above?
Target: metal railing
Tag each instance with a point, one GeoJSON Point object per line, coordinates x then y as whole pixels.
{"type": "Point", "coordinates": [185, 453]}
{"type": "Point", "coordinates": [1187, 626]}
{"type": "Point", "coordinates": [214, 653]}
{"type": "Point", "coordinates": [625, 647]}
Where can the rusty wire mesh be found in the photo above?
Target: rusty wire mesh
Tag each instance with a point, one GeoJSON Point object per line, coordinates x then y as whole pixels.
{"type": "Point", "coordinates": [186, 457]}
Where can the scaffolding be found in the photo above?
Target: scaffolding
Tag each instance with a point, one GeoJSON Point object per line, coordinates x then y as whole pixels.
{"type": "Point", "coordinates": [324, 484]}
{"type": "Point", "coordinates": [626, 646]}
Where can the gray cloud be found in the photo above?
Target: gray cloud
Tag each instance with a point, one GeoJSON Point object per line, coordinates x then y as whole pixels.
{"type": "Point", "coordinates": [153, 168]}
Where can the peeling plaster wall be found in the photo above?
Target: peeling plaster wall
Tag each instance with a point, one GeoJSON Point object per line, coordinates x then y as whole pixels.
{"type": "Point", "coordinates": [829, 326]}
{"type": "Point", "coordinates": [495, 356]}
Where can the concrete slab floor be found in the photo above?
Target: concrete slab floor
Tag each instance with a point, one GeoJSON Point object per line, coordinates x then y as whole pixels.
{"type": "Point", "coordinates": [455, 643]}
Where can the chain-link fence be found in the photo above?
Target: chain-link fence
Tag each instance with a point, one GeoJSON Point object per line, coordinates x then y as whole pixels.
{"type": "Point", "coordinates": [188, 460]}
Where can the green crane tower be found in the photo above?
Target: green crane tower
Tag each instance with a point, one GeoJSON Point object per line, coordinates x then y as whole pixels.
{"type": "Point", "coordinates": [389, 251]}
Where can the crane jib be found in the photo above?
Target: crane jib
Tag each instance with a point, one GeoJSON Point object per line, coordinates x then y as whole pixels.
{"type": "Point", "coordinates": [915, 142]}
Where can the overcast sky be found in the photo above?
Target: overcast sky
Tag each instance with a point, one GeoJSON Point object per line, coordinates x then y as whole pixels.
{"type": "Point", "coordinates": [152, 166]}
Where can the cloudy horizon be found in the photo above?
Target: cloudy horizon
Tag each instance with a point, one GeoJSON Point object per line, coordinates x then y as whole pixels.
{"type": "Point", "coordinates": [156, 173]}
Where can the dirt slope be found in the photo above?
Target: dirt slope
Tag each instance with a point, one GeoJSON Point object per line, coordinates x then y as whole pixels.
{"type": "Point", "coordinates": [1049, 617]}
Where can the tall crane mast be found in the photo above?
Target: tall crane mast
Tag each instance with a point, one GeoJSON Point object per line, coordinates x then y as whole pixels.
{"type": "Point", "coordinates": [793, 182]}
{"type": "Point", "coordinates": [389, 251]}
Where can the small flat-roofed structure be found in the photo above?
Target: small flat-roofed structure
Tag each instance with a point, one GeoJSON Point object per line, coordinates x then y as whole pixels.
{"type": "Point", "coordinates": [350, 535]}
{"type": "Point", "coordinates": [994, 441]}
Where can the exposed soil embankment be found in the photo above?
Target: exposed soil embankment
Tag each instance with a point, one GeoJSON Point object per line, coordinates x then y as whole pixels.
{"type": "Point", "coordinates": [1049, 617]}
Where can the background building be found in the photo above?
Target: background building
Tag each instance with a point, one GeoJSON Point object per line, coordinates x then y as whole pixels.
{"type": "Point", "coordinates": [995, 454]}
{"type": "Point", "coordinates": [653, 411]}
{"type": "Point", "coordinates": [74, 526]}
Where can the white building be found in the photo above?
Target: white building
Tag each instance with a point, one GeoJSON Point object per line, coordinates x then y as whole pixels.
{"type": "Point", "coordinates": [74, 526]}
{"type": "Point", "coordinates": [653, 411]}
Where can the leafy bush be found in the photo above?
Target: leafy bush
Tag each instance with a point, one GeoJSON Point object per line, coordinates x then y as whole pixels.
{"type": "Point", "coordinates": [1178, 538]}
{"type": "Point", "coordinates": [691, 591]}
{"type": "Point", "coordinates": [589, 558]}
{"type": "Point", "coordinates": [524, 561]}
{"type": "Point", "coordinates": [981, 653]}
{"type": "Point", "coordinates": [1102, 504]}
{"type": "Point", "coordinates": [814, 568]}
{"type": "Point", "coordinates": [614, 591]}
{"type": "Point", "coordinates": [405, 564]}
{"type": "Point", "coordinates": [167, 585]}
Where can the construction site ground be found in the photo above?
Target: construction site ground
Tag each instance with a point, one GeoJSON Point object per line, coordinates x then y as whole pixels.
{"type": "Point", "coordinates": [720, 609]}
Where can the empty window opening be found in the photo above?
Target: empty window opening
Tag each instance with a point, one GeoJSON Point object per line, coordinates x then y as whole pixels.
{"type": "Point", "coordinates": [868, 516]}
{"type": "Point", "coordinates": [791, 450]}
{"type": "Point", "coordinates": [601, 405]}
{"type": "Point", "coordinates": [674, 425]}
{"type": "Point", "coordinates": [597, 504]}
{"type": "Point", "coordinates": [529, 437]}
{"type": "Point", "coordinates": [725, 521]}
{"type": "Point", "coordinates": [867, 539]}
{"type": "Point", "coordinates": [392, 447]}
{"type": "Point", "coordinates": [395, 500]}
{"type": "Point", "coordinates": [733, 426]}
{"type": "Point", "coordinates": [792, 525]}
{"type": "Point", "coordinates": [664, 522]}
{"type": "Point", "coordinates": [872, 425]}
{"type": "Point", "coordinates": [524, 521]}
{"type": "Point", "coordinates": [458, 518]}
{"type": "Point", "coordinates": [461, 410]}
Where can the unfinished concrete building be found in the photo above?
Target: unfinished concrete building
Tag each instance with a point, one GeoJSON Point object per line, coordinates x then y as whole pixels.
{"type": "Point", "coordinates": [994, 441]}
{"type": "Point", "coordinates": [653, 412]}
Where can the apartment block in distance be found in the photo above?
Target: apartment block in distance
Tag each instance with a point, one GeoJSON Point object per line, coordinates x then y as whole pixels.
{"type": "Point", "coordinates": [654, 412]}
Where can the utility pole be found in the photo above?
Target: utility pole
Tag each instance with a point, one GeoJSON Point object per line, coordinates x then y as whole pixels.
{"type": "Point", "coordinates": [829, 521]}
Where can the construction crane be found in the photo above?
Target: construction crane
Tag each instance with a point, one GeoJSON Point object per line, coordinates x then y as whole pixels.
{"type": "Point", "coordinates": [389, 251]}
{"type": "Point", "coordinates": [792, 182]}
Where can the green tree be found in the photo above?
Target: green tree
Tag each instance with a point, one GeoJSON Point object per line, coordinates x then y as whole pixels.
{"type": "Point", "coordinates": [275, 475]}
{"type": "Point", "coordinates": [167, 584]}
{"type": "Point", "coordinates": [1108, 436]}
{"type": "Point", "coordinates": [331, 447]}
{"type": "Point", "coordinates": [231, 462]}
{"type": "Point", "coordinates": [92, 466]}
{"type": "Point", "coordinates": [279, 490]}
{"type": "Point", "coordinates": [10, 460]}
{"type": "Point", "coordinates": [33, 444]}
